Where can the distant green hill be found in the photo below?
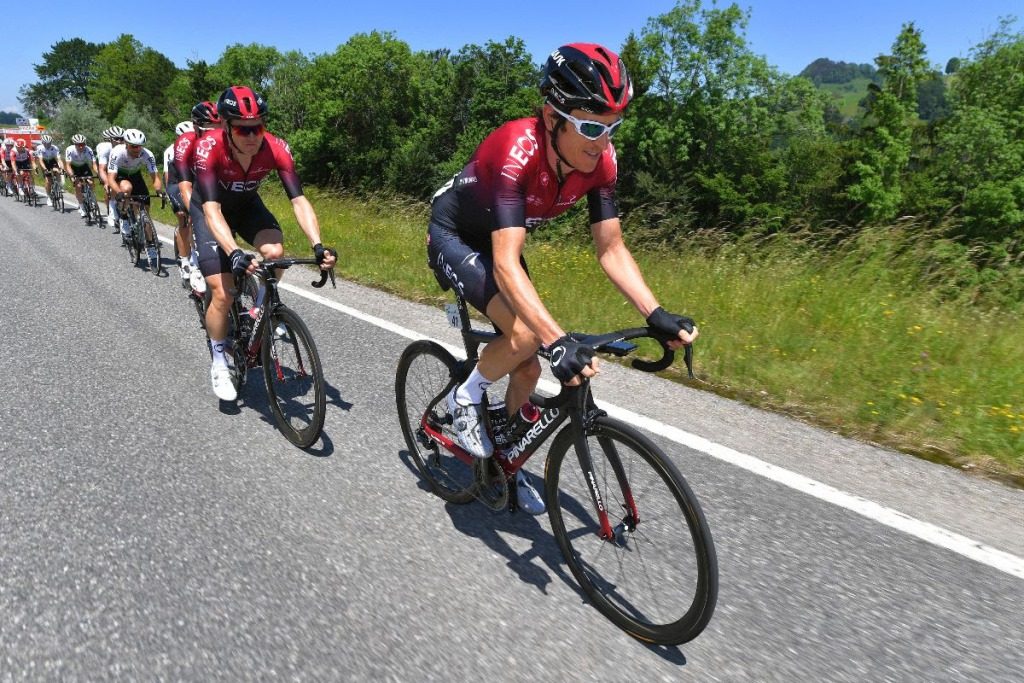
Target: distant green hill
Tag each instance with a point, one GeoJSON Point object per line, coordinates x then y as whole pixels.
{"type": "Point", "coordinates": [847, 95]}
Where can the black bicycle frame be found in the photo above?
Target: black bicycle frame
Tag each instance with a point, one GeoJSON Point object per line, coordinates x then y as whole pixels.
{"type": "Point", "coordinates": [574, 403]}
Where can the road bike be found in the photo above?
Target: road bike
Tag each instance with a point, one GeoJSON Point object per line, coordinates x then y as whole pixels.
{"type": "Point", "coordinates": [138, 233]}
{"type": "Point", "coordinates": [28, 188]}
{"type": "Point", "coordinates": [57, 190]}
{"type": "Point", "coordinates": [89, 203]}
{"type": "Point", "coordinates": [263, 332]}
{"type": "Point", "coordinates": [626, 522]}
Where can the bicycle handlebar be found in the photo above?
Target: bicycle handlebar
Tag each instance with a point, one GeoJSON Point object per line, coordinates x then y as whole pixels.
{"type": "Point", "coordinates": [289, 262]}
{"type": "Point", "coordinates": [614, 343]}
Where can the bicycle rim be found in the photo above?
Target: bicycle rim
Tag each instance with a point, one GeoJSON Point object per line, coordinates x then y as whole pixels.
{"type": "Point", "coordinates": [426, 373]}
{"type": "Point", "coordinates": [294, 377]}
{"type": "Point", "coordinates": [658, 578]}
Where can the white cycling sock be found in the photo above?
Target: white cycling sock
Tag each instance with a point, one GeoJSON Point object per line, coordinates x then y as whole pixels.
{"type": "Point", "coordinates": [218, 346]}
{"type": "Point", "coordinates": [472, 390]}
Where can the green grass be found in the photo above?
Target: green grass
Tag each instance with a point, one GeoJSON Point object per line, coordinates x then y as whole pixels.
{"type": "Point", "coordinates": [846, 338]}
{"type": "Point", "coordinates": [848, 95]}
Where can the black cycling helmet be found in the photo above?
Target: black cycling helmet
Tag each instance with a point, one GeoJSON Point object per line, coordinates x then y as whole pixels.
{"type": "Point", "coordinates": [586, 76]}
{"type": "Point", "coordinates": [205, 114]}
{"type": "Point", "coordinates": [240, 103]}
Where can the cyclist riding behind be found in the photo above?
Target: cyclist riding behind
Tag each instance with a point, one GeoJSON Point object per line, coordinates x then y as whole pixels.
{"type": "Point", "coordinates": [21, 159]}
{"type": "Point", "coordinates": [230, 164]}
{"type": "Point", "coordinates": [80, 162]}
{"type": "Point", "coordinates": [5, 163]}
{"type": "Point", "coordinates": [47, 161]}
{"type": "Point", "coordinates": [112, 137]}
{"type": "Point", "coordinates": [523, 173]}
{"type": "Point", "coordinates": [171, 179]}
{"type": "Point", "coordinates": [204, 118]}
{"type": "Point", "coordinates": [124, 172]}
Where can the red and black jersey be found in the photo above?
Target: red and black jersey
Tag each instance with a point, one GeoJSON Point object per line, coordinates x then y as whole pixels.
{"type": "Point", "coordinates": [220, 178]}
{"type": "Point", "coordinates": [184, 149]}
{"type": "Point", "coordinates": [508, 182]}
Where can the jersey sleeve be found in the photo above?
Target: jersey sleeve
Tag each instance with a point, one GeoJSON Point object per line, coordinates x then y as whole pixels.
{"type": "Point", "coordinates": [285, 164]}
{"type": "Point", "coordinates": [602, 202]}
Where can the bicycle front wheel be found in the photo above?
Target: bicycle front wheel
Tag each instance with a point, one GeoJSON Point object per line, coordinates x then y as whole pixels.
{"type": "Point", "coordinates": [657, 576]}
{"type": "Point", "coordinates": [426, 373]}
{"type": "Point", "coordinates": [134, 243]}
{"type": "Point", "coordinates": [294, 377]}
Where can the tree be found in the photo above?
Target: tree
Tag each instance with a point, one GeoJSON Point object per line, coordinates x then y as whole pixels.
{"type": "Point", "coordinates": [65, 73]}
{"type": "Point", "coordinates": [906, 68]}
{"type": "Point", "coordinates": [8, 117]}
{"type": "Point", "coordinates": [252, 65]}
{"type": "Point", "coordinates": [127, 71]}
{"type": "Point", "coordinates": [78, 116]}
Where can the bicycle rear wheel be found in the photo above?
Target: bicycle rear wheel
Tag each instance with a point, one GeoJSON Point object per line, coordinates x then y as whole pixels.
{"type": "Point", "coordinates": [426, 373]}
{"type": "Point", "coordinates": [657, 578]}
{"type": "Point", "coordinates": [294, 377]}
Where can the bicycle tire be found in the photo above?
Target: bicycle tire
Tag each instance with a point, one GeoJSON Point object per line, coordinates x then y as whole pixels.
{"type": "Point", "coordinates": [155, 266]}
{"type": "Point", "coordinates": [670, 549]}
{"type": "Point", "coordinates": [294, 378]}
{"type": "Point", "coordinates": [426, 373]}
{"type": "Point", "coordinates": [86, 205]}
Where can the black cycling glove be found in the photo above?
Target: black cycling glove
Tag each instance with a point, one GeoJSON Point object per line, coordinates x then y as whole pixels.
{"type": "Point", "coordinates": [240, 262]}
{"type": "Point", "coordinates": [568, 358]}
{"type": "Point", "coordinates": [320, 252]}
{"type": "Point", "coordinates": [670, 324]}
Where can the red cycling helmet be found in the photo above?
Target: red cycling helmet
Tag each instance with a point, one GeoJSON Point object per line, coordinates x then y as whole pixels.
{"type": "Point", "coordinates": [205, 114]}
{"type": "Point", "coordinates": [239, 103]}
{"type": "Point", "coordinates": [20, 142]}
{"type": "Point", "coordinates": [586, 76]}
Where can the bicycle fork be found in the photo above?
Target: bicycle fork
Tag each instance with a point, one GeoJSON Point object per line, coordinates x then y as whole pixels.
{"type": "Point", "coordinates": [582, 424]}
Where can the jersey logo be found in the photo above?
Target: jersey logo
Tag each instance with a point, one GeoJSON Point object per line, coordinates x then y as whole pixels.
{"type": "Point", "coordinates": [522, 151]}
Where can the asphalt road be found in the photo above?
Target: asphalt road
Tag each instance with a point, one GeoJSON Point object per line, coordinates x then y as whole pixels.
{"type": "Point", "coordinates": [145, 533]}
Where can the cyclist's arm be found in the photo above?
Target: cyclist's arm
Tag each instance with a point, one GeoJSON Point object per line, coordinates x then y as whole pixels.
{"type": "Point", "coordinates": [620, 267]}
{"type": "Point", "coordinates": [157, 185]}
{"type": "Point", "coordinates": [185, 188]}
{"type": "Point", "coordinates": [515, 285]}
{"type": "Point", "coordinates": [307, 219]}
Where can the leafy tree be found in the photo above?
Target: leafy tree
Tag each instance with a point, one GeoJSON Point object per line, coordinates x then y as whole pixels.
{"type": "Point", "coordinates": [126, 71]}
{"type": "Point", "coordinates": [78, 116]}
{"type": "Point", "coordinates": [8, 117]}
{"type": "Point", "coordinates": [65, 73]}
{"type": "Point", "coordinates": [363, 101]}
{"type": "Point", "coordinates": [252, 65]}
{"type": "Point", "coordinates": [906, 68]}
{"type": "Point", "coordinates": [288, 108]}
{"type": "Point", "coordinates": [932, 103]}
{"type": "Point", "coordinates": [953, 65]}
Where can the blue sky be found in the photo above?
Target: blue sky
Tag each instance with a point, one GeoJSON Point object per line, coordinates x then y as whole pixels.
{"type": "Point", "coordinates": [789, 34]}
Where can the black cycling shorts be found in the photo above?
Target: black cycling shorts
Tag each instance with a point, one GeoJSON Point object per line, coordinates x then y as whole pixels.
{"type": "Point", "coordinates": [138, 186]}
{"type": "Point", "coordinates": [458, 265]}
{"type": "Point", "coordinates": [174, 195]}
{"type": "Point", "coordinates": [81, 171]}
{"type": "Point", "coordinates": [246, 221]}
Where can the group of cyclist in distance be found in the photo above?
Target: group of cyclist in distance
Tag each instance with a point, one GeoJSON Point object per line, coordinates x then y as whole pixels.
{"type": "Point", "coordinates": [525, 172]}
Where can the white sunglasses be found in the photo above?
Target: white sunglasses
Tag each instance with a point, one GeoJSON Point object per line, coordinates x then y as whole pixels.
{"type": "Point", "coordinates": [591, 130]}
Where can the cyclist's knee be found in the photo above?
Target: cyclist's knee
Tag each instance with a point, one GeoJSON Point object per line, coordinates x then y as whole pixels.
{"type": "Point", "coordinates": [273, 250]}
{"type": "Point", "coordinates": [528, 371]}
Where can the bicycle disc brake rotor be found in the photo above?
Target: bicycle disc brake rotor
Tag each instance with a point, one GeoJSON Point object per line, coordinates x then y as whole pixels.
{"type": "Point", "coordinates": [491, 486]}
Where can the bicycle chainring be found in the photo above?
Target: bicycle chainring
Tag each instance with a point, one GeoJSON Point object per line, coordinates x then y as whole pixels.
{"type": "Point", "coordinates": [491, 486]}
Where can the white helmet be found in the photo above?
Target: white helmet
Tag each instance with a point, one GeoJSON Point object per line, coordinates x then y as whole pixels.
{"type": "Point", "coordinates": [9, 142]}
{"type": "Point", "coordinates": [184, 127]}
{"type": "Point", "coordinates": [78, 139]}
{"type": "Point", "coordinates": [46, 138]}
{"type": "Point", "coordinates": [134, 136]}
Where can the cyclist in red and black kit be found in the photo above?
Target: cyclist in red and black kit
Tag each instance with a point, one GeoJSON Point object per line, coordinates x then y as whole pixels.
{"type": "Point", "coordinates": [523, 173]}
{"type": "Point", "coordinates": [230, 164]}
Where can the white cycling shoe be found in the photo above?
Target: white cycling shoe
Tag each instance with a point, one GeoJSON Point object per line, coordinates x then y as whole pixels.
{"type": "Point", "coordinates": [223, 387]}
{"type": "Point", "coordinates": [469, 428]}
{"type": "Point", "coordinates": [529, 498]}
